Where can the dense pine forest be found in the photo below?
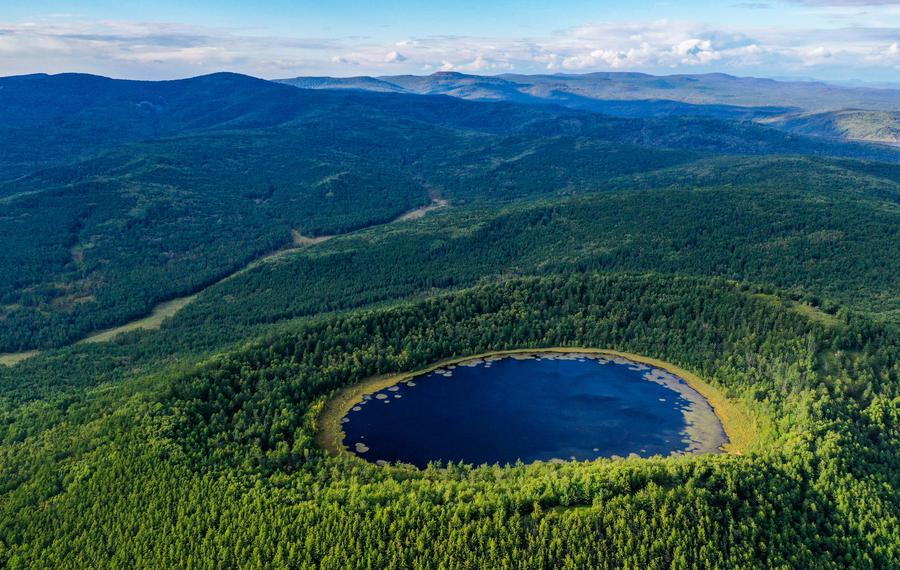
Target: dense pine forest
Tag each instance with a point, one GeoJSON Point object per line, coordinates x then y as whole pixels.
{"type": "Point", "coordinates": [762, 260]}
{"type": "Point", "coordinates": [220, 459]}
{"type": "Point", "coordinates": [195, 179]}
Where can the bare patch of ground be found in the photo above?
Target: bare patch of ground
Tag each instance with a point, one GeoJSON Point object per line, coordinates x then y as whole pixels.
{"type": "Point", "coordinates": [152, 321]}
{"type": "Point", "coordinates": [814, 314]}
{"type": "Point", "coordinates": [77, 252]}
{"type": "Point", "coordinates": [13, 358]}
{"type": "Point", "coordinates": [300, 240]}
{"type": "Point", "coordinates": [436, 203]}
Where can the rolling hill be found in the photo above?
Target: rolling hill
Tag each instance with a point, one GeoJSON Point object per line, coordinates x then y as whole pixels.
{"type": "Point", "coordinates": [182, 183]}
{"type": "Point", "coordinates": [693, 90]}
{"type": "Point", "coordinates": [804, 107]}
{"type": "Point", "coordinates": [760, 261]}
{"type": "Point", "coordinates": [851, 124]}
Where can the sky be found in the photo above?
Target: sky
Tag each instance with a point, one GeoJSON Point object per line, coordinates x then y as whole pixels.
{"type": "Point", "coordinates": [852, 41]}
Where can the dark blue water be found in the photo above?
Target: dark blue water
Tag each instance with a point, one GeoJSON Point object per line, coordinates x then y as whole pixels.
{"type": "Point", "coordinates": [540, 409]}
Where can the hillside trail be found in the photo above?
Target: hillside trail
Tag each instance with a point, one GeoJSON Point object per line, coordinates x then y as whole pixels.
{"type": "Point", "coordinates": [168, 308]}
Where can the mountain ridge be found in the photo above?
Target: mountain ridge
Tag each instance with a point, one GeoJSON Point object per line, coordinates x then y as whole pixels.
{"type": "Point", "coordinates": [47, 120]}
{"type": "Point", "coordinates": [790, 105]}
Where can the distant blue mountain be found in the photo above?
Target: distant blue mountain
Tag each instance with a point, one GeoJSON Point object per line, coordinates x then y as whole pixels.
{"type": "Point", "coordinates": [803, 107]}
{"type": "Point", "coordinates": [54, 119]}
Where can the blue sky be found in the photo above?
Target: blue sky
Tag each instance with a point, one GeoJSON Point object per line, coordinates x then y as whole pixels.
{"type": "Point", "coordinates": [840, 40]}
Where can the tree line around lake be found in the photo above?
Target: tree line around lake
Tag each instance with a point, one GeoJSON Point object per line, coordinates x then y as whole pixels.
{"type": "Point", "coordinates": [216, 465]}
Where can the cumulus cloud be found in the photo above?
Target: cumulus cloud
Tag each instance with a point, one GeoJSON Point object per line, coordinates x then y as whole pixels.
{"type": "Point", "coordinates": [155, 50]}
{"type": "Point", "coordinates": [148, 49]}
{"type": "Point", "coordinates": [478, 64]}
{"type": "Point", "coordinates": [394, 57]}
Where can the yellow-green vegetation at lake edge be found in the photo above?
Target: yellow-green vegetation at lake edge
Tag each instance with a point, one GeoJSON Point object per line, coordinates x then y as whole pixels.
{"type": "Point", "coordinates": [645, 333]}
{"type": "Point", "coordinates": [701, 426]}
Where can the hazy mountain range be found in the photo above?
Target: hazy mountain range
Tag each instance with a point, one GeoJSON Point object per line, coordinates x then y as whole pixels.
{"type": "Point", "coordinates": [49, 119]}
{"type": "Point", "coordinates": [804, 107]}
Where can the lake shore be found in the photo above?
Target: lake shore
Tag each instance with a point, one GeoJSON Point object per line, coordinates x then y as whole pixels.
{"type": "Point", "coordinates": [739, 429]}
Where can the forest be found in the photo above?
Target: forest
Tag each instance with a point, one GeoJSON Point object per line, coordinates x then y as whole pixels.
{"type": "Point", "coordinates": [193, 180]}
{"type": "Point", "coordinates": [220, 459]}
{"type": "Point", "coordinates": [762, 261]}
{"type": "Point", "coordinates": [828, 238]}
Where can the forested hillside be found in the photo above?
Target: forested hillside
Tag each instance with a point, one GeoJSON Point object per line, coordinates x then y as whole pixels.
{"type": "Point", "coordinates": [235, 165]}
{"type": "Point", "coordinates": [762, 261]}
{"type": "Point", "coordinates": [725, 95]}
{"type": "Point", "coordinates": [221, 460]}
{"type": "Point", "coordinates": [854, 124]}
{"type": "Point", "coordinates": [826, 234]}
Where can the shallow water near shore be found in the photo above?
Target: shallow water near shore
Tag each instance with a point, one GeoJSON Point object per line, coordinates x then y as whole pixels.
{"type": "Point", "coordinates": [533, 407]}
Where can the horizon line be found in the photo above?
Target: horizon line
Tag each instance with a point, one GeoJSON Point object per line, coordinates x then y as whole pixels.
{"type": "Point", "coordinates": [887, 85]}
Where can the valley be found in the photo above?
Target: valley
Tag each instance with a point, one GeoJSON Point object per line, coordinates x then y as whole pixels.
{"type": "Point", "coordinates": [167, 309]}
{"type": "Point", "coordinates": [622, 321]}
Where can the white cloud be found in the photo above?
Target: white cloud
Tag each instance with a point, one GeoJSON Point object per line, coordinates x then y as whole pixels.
{"type": "Point", "coordinates": [695, 51]}
{"type": "Point", "coordinates": [892, 55]}
{"type": "Point", "coordinates": [153, 50]}
{"type": "Point", "coordinates": [149, 49]}
{"type": "Point", "coordinates": [478, 64]}
{"type": "Point", "coordinates": [394, 57]}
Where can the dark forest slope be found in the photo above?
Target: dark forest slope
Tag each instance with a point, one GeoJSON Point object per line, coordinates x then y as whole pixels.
{"type": "Point", "coordinates": [721, 246]}
{"type": "Point", "coordinates": [46, 120]}
{"type": "Point", "coordinates": [187, 181]}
